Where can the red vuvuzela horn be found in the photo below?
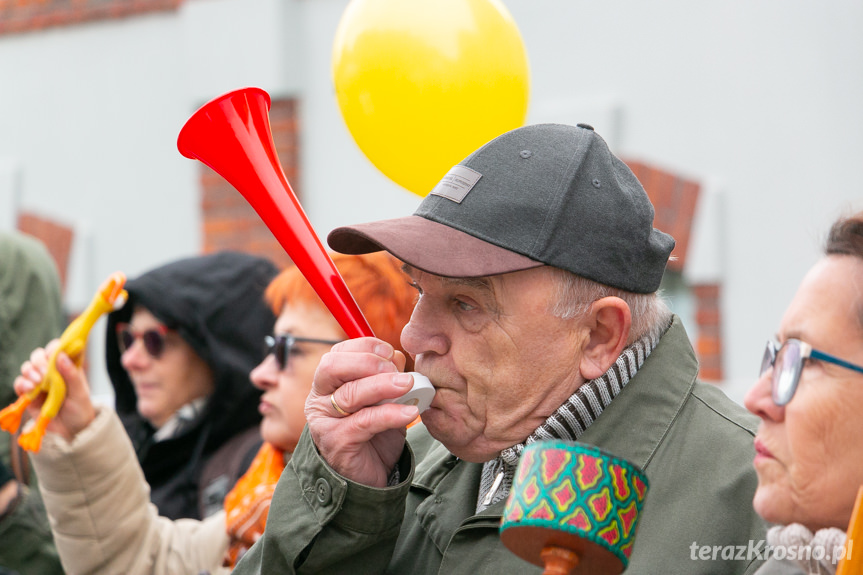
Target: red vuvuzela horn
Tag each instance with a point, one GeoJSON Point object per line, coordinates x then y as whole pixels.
{"type": "Point", "coordinates": [232, 135]}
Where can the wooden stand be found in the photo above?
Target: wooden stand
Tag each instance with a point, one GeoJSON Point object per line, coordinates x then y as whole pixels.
{"type": "Point", "coordinates": [561, 553]}
{"type": "Point", "coordinates": [558, 561]}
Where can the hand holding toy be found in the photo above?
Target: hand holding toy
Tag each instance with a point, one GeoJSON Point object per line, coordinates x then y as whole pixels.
{"type": "Point", "coordinates": [110, 296]}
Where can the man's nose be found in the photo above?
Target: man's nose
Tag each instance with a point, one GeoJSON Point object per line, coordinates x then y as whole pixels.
{"type": "Point", "coordinates": [425, 332]}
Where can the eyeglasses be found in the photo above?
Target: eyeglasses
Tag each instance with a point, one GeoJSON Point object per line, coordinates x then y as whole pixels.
{"type": "Point", "coordinates": [790, 357]}
{"type": "Point", "coordinates": [153, 338]}
{"type": "Point", "coordinates": [282, 346]}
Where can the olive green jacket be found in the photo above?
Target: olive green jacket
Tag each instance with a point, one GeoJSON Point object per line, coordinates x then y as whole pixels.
{"type": "Point", "coordinates": [31, 309]}
{"type": "Point", "coordinates": [26, 545]}
{"type": "Point", "coordinates": [31, 314]}
{"type": "Point", "coordinates": [693, 442]}
{"type": "Point", "coordinates": [780, 567]}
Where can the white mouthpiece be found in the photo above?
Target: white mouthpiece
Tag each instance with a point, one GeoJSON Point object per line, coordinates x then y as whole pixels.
{"type": "Point", "coordinates": [421, 394]}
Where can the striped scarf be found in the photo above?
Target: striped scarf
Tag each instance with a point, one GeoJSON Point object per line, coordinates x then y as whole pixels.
{"type": "Point", "coordinates": [569, 421]}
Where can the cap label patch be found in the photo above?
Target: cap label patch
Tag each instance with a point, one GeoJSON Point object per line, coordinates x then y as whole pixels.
{"type": "Point", "coordinates": [457, 183]}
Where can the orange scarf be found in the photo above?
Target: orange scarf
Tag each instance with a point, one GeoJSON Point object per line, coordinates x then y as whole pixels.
{"type": "Point", "coordinates": [248, 503]}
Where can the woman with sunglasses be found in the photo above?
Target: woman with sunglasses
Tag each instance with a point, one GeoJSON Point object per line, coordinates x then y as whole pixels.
{"type": "Point", "coordinates": [95, 492]}
{"type": "Point", "coordinates": [178, 355]}
{"type": "Point", "coordinates": [809, 446]}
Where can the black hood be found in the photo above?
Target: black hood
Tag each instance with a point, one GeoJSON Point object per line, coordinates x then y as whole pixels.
{"type": "Point", "coordinates": [215, 302]}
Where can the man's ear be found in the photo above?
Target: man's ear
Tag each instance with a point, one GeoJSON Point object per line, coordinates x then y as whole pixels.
{"type": "Point", "coordinates": [609, 321]}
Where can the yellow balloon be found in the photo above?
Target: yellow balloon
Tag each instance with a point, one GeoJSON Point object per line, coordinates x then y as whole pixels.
{"type": "Point", "coordinates": [423, 83]}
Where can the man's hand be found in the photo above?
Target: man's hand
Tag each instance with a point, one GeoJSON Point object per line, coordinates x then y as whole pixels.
{"type": "Point", "coordinates": [365, 445]}
{"type": "Point", "coordinates": [77, 411]}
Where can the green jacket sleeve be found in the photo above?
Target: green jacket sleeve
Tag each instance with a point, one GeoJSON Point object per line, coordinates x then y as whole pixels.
{"type": "Point", "coordinates": [26, 545]}
{"type": "Point", "coordinates": [31, 309]}
{"type": "Point", "coordinates": [320, 522]}
{"type": "Point", "coordinates": [31, 314]}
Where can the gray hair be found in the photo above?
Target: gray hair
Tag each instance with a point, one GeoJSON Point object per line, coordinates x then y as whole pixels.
{"type": "Point", "coordinates": [574, 295]}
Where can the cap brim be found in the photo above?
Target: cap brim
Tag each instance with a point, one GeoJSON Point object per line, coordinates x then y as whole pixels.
{"type": "Point", "coordinates": [430, 247]}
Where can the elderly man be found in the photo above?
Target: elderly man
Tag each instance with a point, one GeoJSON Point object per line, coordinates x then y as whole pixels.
{"type": "Point", "coordinates": [536, 264]}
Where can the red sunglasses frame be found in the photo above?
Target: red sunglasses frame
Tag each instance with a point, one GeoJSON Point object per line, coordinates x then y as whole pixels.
{"type": "Point", "coordinates": [154, 350]}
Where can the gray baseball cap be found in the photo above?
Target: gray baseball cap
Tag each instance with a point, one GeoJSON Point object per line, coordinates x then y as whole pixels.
{"type": "Point", "coordinates": [546, 194]}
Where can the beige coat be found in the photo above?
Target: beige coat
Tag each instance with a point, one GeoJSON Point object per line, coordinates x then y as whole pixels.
{"type": "Point", "coordinates": [100, 511]}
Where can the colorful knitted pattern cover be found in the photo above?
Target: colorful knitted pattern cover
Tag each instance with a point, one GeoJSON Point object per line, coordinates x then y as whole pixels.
{"type": "Point", "coordinates": [578, 489]}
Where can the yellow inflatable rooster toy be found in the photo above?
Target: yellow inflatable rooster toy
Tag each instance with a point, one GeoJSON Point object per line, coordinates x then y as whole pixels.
{"type": "Point", "coordinates": [110, 296]}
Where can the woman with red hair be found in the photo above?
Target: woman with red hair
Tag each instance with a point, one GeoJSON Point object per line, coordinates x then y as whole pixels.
{"type": "Point", "coordinates": [304, 331]}
{"type": "Point", "coordinates": [102, 518]}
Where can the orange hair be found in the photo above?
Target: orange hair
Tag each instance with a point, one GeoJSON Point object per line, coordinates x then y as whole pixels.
{"type": "Point", "coordinates": [377, 282]}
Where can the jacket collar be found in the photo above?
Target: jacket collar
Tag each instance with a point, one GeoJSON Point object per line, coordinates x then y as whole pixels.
{"type": "Point", "coordinates": [640, 416]}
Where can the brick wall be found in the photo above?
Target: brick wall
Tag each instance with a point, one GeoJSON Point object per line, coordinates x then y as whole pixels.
{"type": "Point", "coordinates": [17, 16]}
{"type": "Point", "coordinates": [708, 317]}
{"type": "Point", "coordinates": [674, 198]}
{"type": "Point", "coordinates": [230, 223]}
{"type": "Point", "coordinates": [56, 236]}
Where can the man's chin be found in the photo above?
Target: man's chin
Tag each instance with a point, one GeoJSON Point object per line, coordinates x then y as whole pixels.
{"type": "Point", "coordinates": [441, 427]}
{"type": "Point", "coordinates": [433, 420]}
{"type": "Point", "coordinates": [455, 438]}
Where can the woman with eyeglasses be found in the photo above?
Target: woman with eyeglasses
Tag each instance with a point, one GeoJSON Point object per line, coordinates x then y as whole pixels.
{"type": "Point", "coordinates": [95, 492]}
{"type": "Point", "coordinates": [809, 451]}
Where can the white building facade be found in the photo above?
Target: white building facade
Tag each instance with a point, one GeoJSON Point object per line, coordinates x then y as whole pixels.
{"type": "Point", "coordinates": [759, 103]}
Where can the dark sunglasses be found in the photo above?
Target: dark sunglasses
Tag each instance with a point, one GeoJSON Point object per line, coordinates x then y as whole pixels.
{"type": "Point", "coordinates": [282, 346]}
{"type": "Point", "coordinates": [153, 338]}
{"type": "Point", "coordinates": [787, 363]}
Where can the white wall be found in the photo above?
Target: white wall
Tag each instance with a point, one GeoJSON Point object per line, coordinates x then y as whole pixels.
{"type": "Point", "coordinates": [89, 113]}
{"type": "Point", "coordinates": [763, 97]}
{"type": "Point", "coordinates": [340, 186]}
